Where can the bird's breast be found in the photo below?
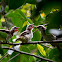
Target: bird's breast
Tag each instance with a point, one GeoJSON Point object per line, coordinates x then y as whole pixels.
{"type": "Point", "coordinates": [29, 36]}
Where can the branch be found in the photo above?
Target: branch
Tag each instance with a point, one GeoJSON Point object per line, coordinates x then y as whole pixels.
{"type": "Point", "coordinates": [33, 42]}
{"type": "Point", "coordinates": [13, 57]}
{"type": "Point", "coordinates": [47, 46]}
{"type": "Point", "coordinates": [29, 54]}
{"type": "Point", "coordinates": [5, 55]}
{"type": "Point", "coordinates": [39, 60]}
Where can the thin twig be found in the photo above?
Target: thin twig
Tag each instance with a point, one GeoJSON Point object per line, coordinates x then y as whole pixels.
{"type": "Point", "coordinates": [35, 31]}
{"type": "Point", "coordinates": [13, 57]}
{"type": "Point", "coordinates": [33, 42]}
{"type": "Point", "coordinates": [39, 60]}
{"type": "Point", "coordinates": [48, 46]}
{"type": "Point", "coordinates": [19, 53]}
{"type": "Point", "coordinates": [28, 54]}
{"type": "Point", "coordinates": [5, 55]}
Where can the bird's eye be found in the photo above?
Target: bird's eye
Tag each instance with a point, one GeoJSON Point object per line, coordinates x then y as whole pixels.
{"type": "Point", "coordinates": [14, 27]}
{"type": "Point", "coordinates": [31, 26]}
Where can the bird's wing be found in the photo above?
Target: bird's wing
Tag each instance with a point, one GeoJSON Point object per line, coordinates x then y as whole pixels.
{"type": "Point", "coordinates": [24, 33]}
{"type": "Point", "coordinates": [53, 37]}
{"type": "Point", "coordinates": [3, 30]}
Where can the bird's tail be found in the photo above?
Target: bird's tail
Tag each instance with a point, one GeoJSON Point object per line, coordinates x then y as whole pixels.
{"type": "Point", "coordinates": [23, 39]}
{"type": "Point", "coordinates": [17, 39]}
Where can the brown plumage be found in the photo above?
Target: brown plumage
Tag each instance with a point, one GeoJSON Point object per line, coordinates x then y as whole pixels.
{"type": "Point", "coordinates": [9, 33]}
{"type": "Point", "coordinates": [26, 35]}
{"type": "Point", "coordinates": [47, 37]}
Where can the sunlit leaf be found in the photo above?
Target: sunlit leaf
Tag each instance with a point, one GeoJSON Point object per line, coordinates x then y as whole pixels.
{"type": "Point", "coordinates": [41, 49]}
{"type": "Point", "coordinates": [25, 23]}
{"type": "Point", "coordinates": [18, 18]}
{"type": "Point", "coordinates": [0, 56]}
{"type": "Point", "coordinates": [2, 19]}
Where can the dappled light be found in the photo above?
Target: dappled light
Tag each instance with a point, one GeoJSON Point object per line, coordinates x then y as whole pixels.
{"type": "Point", "coordinates": [30, 31]}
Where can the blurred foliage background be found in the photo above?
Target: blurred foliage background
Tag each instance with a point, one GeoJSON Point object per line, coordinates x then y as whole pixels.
{"type": "Point", "coordinates": [18, 12]}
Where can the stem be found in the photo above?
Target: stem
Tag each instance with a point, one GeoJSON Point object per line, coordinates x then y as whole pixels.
{"type": "Point", "coordinates": [33, 42]}
{"type": "Point", "coordinates": [28, 54]}
{"type": "Point", "coordinates": [13, 57]}
{"type": "Point", "coordinates": [5, 55]}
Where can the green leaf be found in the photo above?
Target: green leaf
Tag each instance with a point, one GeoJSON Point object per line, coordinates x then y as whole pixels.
{"type": "Point", "coordinates": [18, 18]}
{"type": "Point", "coordinates": [30, 21]}
{"type": "Point", "coordinates": [44, 5]}
{"type": "Point", "coordinates": [36, 36]}
{"type": "Point", "coordinates": [54, 19]}
{"type": "Point", "coordinates": [31, 1]}
{"type": "Point", "coordinates": [25, 49]}
{"type": "Point", "coordinates": [32, 59]}
{"type": "Point", "coordinates": [0, 16]}
{"type": "Point", "coordinates": [0, 24]}
{"type": "Point", "coordinates": [0, 0]}
{"type": "Point", "coordinates": [22, 14]}
{"type": "Point", "coordinates": [54, 54]}
{"type": "Point", "coordinates": [1, 50]}
{"type": "Point", "coordinates": [5, 59]}
{"type": "Point", "coordinates": [41, 49]}
{"type": "Point", "coordinates": [25, 23]}
{"type": "Point", "coordinates": [32, 47]}
{"type": "Point", "coordinates": [16, 59]}
{"type": "Point", "coordinates": [3, 35]}
{"type": "Point", "coordinates": [24, 58]}
{"type": "Point", "coordinates": [24, 28]}
{"type": "Point", "coordinates": [15, 3]}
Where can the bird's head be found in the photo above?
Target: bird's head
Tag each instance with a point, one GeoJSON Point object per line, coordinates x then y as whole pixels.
{"type": "Point", "coordinates": [29, 27]}
{"type": "Point", "coordinates": [14, 29]}
{"type": "Point", "coordinates": [40, 27]}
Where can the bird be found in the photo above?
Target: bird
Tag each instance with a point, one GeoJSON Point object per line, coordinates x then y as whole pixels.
{"type": "Point", "coordinates": [57, 33]}
{"type": "Point", "coordinates": [8, 34]}
{"type": "Point", "coordinates": [5, 35]}
{"type": "Point", "coordinates": [47, 37]}
{"type": "Point", "coordinates": [26, 35]}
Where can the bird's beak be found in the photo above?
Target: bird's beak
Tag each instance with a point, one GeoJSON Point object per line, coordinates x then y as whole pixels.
{"type": "Point", "coordinates": [35, 26]}
{"type": "Point", "coordinates": [32, 26]}
{"type": "Point", "coordinates": [17, 28]}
